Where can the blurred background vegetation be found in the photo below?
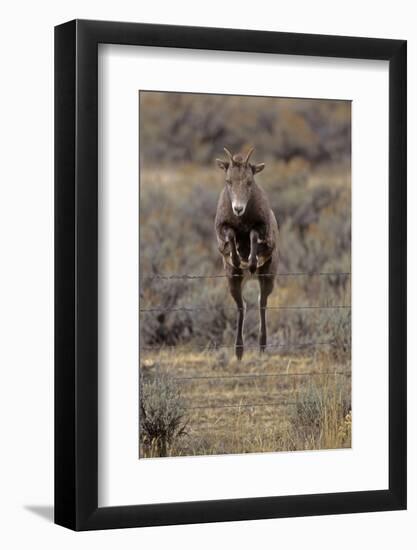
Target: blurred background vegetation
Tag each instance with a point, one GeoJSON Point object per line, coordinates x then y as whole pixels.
{"type": "Point", "coordinates": [306, 146]}
{"type": "Point", "coordinates": [194, 128]}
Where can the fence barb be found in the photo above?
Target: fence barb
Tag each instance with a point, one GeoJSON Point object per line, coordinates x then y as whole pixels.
{"type": "Point", "coordinates": [223, 276]}
{"type": "Point", "coordinates": [214, 347]}
{"type": "Point", "coordinates": [190, 309]}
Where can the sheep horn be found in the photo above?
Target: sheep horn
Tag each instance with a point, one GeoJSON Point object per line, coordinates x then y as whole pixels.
{"type": "Point", "coordinates": [229, 154]}
{"type": "Point", "coordinates": [251, 150]}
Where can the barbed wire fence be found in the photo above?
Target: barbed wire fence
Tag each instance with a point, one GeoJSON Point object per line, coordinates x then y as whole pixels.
{"type": "Point", "coordinates": [210, 347]}
{"type": "Point", "coordinates": [223, 276]}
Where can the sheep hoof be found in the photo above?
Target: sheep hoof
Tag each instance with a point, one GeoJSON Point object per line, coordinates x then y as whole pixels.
{"type": "Point", "coordinates": [239, 351]}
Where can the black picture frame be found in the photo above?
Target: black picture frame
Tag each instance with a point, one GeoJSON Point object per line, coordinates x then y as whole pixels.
{"type": "Point", "coordinates": [76, 273]}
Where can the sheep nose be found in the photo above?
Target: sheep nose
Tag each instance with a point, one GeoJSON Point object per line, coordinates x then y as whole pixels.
{"type": "Point", "coordinates": [238, 210]}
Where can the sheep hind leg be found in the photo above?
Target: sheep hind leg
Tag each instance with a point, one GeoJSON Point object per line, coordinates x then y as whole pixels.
{"type": "Point", "coordinates": [266, 285]}
{"type": "Point", "coordinates": [235, 286]}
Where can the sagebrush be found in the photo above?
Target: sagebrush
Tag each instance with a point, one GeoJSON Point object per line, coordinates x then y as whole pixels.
{"type": "Point", "coordinates": [162, 415]}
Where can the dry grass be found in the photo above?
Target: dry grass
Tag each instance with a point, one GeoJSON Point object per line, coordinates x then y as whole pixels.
{"type": "Point", "coordinates": [231, 408]}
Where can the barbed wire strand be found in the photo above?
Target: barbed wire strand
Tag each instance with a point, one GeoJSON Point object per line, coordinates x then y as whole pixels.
{"type": "Point", "coordinates": [266, 375]}
{"type": "Point", "coordinates": [269, 308]}
{"type": "Point", "coordinates": [223, 276]}
{"type": "Point", "coordinates": [217, 429]}
{"type": "Point", "coordinates": [214, 347]}
{"type": "Point", "coordinates": [244, 405]}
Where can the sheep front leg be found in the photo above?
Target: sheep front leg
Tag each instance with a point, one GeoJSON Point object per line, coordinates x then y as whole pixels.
{"type": "Point", "coordinates": [253, 258]}
{"type": "Point", "coordinates": [231, 239]}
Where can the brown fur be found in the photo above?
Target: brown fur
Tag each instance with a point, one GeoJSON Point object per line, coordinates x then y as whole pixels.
{"type": "Point", "coordinates": [247, 242]}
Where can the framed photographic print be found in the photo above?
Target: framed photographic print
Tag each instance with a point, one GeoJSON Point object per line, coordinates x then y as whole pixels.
{"type": "Point", "coordinates": [230, 248]}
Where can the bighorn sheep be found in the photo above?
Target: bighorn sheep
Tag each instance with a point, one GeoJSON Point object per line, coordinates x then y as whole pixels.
{"type": "Point", "coordinates": [247, 233]}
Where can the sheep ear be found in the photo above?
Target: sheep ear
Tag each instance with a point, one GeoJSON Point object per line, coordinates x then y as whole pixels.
{"type": "Point", "coordinates": [223, 164]}
{"type": "Point", "coordinates": [257, 167]}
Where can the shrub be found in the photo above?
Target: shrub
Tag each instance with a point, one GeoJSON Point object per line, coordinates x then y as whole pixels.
{"type": "Point", "coordinates": [179, 127]}
{"type": "Point", "coordinates": [322, 415]}
{"type": "Point", "coordinates": [162, 416]}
